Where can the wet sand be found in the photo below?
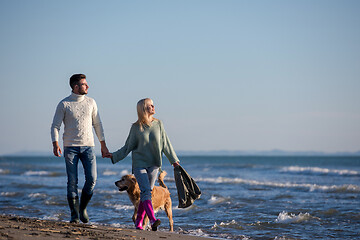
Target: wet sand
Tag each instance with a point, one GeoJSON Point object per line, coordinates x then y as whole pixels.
{"type": "Point", "coordinates": [13, 227]}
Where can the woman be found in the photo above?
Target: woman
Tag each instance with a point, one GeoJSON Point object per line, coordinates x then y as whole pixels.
{"type": "Point", "coordinates": [147, 141]}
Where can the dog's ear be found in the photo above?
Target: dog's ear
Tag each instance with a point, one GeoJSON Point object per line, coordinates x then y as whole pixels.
{"type": "Point", "coordinates": [133, 179]}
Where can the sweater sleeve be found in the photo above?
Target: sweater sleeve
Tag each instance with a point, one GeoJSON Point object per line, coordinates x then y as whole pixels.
{"type": "Point", "coordinates": [167, 147]}
{"type": "Point", "coordinates": [130, 145]}
{"type": "Point", "coordinates": [57, 120]}
{"type": "Point", "coordinates": [96, 122]}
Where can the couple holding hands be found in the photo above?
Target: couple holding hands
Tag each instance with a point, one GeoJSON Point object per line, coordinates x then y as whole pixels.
{"type": "Point", "coordinates": [147, 141]}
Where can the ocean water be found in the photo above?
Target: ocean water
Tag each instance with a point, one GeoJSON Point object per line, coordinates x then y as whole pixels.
{"type": "Point", "coordinates": [242, 197]}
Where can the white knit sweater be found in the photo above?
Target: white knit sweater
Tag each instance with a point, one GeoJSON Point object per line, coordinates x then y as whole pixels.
{"type": "Point", "coordinates": [79, 114]}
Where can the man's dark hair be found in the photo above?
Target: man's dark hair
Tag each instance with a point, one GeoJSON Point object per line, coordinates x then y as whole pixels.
{"type": "Point", "coordinates": [75, 79]}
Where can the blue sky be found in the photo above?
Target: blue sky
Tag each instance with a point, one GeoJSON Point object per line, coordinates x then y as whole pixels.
{"type": "Point", "coordinates": [224, 75]}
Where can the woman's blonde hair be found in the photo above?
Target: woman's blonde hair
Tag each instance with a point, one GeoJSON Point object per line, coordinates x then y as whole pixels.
{"type": "Point", "coordinates": [143, 119]}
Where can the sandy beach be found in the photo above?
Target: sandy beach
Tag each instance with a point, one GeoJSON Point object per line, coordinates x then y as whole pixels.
{"type": "Point", "coordinates": [13, 227]}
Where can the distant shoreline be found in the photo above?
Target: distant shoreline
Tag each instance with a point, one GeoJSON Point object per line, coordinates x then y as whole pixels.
{"type": "Point", "coordinates": [220, 153]}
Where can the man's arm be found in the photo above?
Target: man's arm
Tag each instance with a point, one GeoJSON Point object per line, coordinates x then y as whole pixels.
{"type": "Point", "coordinates": [99, 130]}
{"type": "Point", "coordinates": [104, 149]}
{"type": "Point", "coordinates": [55, 128]}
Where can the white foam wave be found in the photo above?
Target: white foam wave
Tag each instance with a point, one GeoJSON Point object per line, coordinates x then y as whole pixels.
{"type": "Point", "coordinates": [109, 173]}
{"type": "Point", "coordinates": [36, 173]}
{"type": "Point", "coordinates": [4, 171]}
{"type": "Point", "coordinates": [118, 225]}
{"type": "Point", "coordinates": [108, 191]}
{"type": "Point", "coordinates": [119, 206]}
{"type": "Point", "coordinates": [319, 170]}
{"type": "Point", "coordinates": [197, 232]}
{"type": "Point", "coordinates": [285, 217]}
{"type": "Point", "coordinates": [309, 186]}
{"type": "Point", "coordinates": [55, 217]}
{"type": "Point", "coordinates": [281, 238]}
{"type": "Point", "coordinates": [113, 173]}
{"type": "Point", "coordinates": [8, 194]}
{"type": "Point", "coordinates": [232, 222]}
{"type": "Point", "coordinates": [51, 202]}
{"type": "Point", "coordinates": [37, 195]}
{"type": "Point", "coordinates": [216, 200]}
{"type": "Point", "coordinates": [124, 172]}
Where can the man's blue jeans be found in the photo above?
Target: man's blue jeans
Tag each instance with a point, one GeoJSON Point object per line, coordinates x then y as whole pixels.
{"type": "Point", "coordinates": [146, 178]}
{"type": "Point", "coordinates": [87, 156]}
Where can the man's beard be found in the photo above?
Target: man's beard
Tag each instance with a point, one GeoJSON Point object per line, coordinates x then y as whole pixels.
{"type": "Point", "coordinates": [82, 92]}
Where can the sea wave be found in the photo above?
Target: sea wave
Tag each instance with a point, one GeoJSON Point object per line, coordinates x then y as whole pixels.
{"type": "Point", "coordinates": [37, 195]}
{"type": "Point", "coordinates": [101, 191]}
{"type": "Point", "coordinates": [54, 217]}
{"type": "Point", "coordinates": [119, 206]}
{"type": "Point", "coordinates": [4, 171]}
{"type": "Point", "coordinates": [320, 170]}
{"type": "Point", "coordinates": [53, 201]}
{"type": "Point", "coordinates": [42, 173]}
{"type": "Point", "coordinates": [351, 188]}
{"type": "Point", "coordinates": [9, 194]}
{"type": "Point", "coordinates": [109, 173]}
{"type": "Point", "coordinates": [285, 217]}
{"type": "Point", "coordinates": [36, 173]}
{"type": "Point", "coordinates": [195, 232]}
{"type": "Point", "coordinates": [226, 224]}
{"type": "Point", "coordinates": [118, 225]}
{"type": "Point", "coordinates": [216, 200]}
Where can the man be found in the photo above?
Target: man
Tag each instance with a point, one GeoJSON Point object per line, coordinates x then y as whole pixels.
{"type": "Point", "coordinates": [79, 114]}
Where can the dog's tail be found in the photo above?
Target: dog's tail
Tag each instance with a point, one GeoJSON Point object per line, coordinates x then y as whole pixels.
{"type": "Point", "coordinates": [161, 179]}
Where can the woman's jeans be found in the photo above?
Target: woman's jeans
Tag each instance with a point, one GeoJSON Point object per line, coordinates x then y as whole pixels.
{"type": "Point", "coordinates": [146, 178]}
{"type": "Point", "coordinates": [88, 159]}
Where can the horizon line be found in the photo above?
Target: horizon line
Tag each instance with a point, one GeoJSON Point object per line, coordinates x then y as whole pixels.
{"type": "Point", "coordinates": [274, 152]}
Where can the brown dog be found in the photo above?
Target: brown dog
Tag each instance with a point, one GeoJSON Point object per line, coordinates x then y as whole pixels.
{"type": "Point", "coordinates": [160, 196]}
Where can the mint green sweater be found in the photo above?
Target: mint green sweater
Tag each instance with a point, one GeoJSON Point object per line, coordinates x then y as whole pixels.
{"type": "Point", "coordinates": [147, 146]}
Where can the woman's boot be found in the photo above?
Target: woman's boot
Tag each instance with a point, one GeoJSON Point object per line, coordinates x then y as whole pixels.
{"type": "Point", "coordinates": [84, 200]}
{"type": "Point", "coordinates": [150, 212]}
{"type": "Point", "coordinates": [74, 209]}
{"type": "Point", "coordinates": [140, 216]}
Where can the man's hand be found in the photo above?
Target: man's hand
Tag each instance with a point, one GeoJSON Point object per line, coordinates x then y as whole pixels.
{"type": "Point", "coordinates": [56, 149]}
{"type": "Point", "coordinates": [176, 164]}
{"type": "Point", "coordinates": [104, 150]}
{"type": "Point", "coordinates": [109, 155]}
